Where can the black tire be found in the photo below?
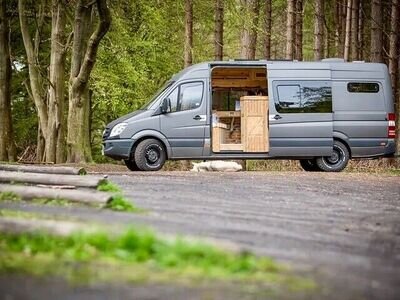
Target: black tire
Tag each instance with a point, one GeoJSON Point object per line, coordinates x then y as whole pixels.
{"type": "Point", "coordinates": [309, 165]}
{"type": "Point", "coordinates": [131, 165]}
{"type": "Point", "coordinates": [337, 161]}
{"type": "Point", "coordinates": [150, 155]}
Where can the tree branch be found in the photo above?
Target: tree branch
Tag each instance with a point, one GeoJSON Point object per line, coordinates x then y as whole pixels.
{"type": "Point", "coordinates": [34, 74]}
{"type": "Point", "coordinates": [93, 44]}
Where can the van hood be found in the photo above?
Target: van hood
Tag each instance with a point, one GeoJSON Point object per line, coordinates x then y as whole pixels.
{"type": "Point", "coordinates": [124, 118]}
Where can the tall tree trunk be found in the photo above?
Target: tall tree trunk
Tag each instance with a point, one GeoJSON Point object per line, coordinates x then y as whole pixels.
{"type": "Point", "coordinates": [82, 62]}
{"type": "Point", "coordinates": [249, 30]}
{"type": "Point", "coordinates": [299, 31]}
{"type": "Point", "coordinates": [354, 30]}
{"type": "Point", "coordinates": [290, 29]}
{"type": "Point", "coordinates": [348, 31]}
{"type": "Point", "coordinates": [54, 140]}
{"type": "Point", "coordinates": [338, 26]}
{"type": "Point", "coordinates": [360, 48]}
{"type": "Point", "coordinates": [343, 13]}
{"type": "Point", "coordinates": [219, 30]}
{"type": "Point", "coordinates": [267, 29]}
{"type": "Point", "coordinates": [319, 30]}
{"type": "Point", "coordinates": [40, 145]}
{"type": "Point", "coordinates": [394, 64]}
{"type": "Point", "coordinates": [37, 90]}
{"type": "Point", "coordinates": [188, 32]}
{"type": "Point", "coordinates": [7, 148]}
{"type": "Point", "coordinates": [376, 31]}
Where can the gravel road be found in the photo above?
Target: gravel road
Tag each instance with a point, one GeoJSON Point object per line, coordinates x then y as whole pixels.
{"type": "Point", "coordinates": [342, 229]}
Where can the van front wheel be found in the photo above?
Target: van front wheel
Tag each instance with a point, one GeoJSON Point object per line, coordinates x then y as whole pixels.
{"type": "Point", "coordinates": [131, 164]}
{"type": "Point", "coordinates": [337, 161]}
{"type": "Point", "coordinates": [150, 155]}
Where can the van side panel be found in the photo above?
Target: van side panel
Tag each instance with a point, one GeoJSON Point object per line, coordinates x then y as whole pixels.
{"type": "Point", "coordinates": [298, 134]}
{"type": "Point", "coordinates": [361, 116]}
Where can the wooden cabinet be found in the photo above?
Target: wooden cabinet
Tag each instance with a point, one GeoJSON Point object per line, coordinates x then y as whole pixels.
{"type": "Point", "coordinates": [245, 130]}
{"type": "Point", "coordinates": [254, 123]}
{"type": "Point", "coordinates": [226, 131]}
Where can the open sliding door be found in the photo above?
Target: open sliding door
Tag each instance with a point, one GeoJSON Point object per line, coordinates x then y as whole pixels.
{"type": "Point", "coordinates": [239, 109]}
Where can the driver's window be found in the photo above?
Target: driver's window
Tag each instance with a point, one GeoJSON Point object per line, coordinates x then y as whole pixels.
{"type": "Point", "coordinates": [191, 95]}
{"type": "Point", "coordinates": [173, 98]}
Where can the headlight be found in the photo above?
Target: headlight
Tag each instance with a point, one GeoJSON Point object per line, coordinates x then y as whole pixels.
{"type": "Point", "coordinates": [117, 129]}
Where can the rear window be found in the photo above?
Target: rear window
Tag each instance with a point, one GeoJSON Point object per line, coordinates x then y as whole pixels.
{"type": "Point", "coordinates": [363, 87]}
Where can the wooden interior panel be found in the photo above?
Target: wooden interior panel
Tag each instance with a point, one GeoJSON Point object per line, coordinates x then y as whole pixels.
{"type": "Point", "coordinates": [254, 123]}
{"type": "Point", "coordinates": [224, 114]}
{"type": "Point", "coordinates": [239, 83]}
{"type": "Point", "coordinates": [239, 78]}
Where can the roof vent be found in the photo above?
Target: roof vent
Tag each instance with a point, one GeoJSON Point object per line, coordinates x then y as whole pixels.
{"type": "Point", "coordinates": [332, 59]}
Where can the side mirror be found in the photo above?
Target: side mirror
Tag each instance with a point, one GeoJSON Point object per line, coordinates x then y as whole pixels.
{"type": "Point", "coordinates": [165, 105]}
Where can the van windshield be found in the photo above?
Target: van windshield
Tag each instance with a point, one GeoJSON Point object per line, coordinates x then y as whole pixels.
{"type": "Point", "coordinates": [149, 103]}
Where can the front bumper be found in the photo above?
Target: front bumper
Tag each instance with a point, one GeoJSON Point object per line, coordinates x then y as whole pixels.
{"type": "Point", "coordinates": [117, 148]}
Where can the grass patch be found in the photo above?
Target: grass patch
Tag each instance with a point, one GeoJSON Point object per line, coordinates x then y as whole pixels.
{"type": "Point", "coordinates": [135, 256]}
{"type": "Point", "coordinates": [106, 186]}
{"type": "Point", "coordinates": [394, 172]}
{"type": "Point", "coordinates": [119, 203]}
{"type": "Point", "coordinates": [20, 214]}
{"type": "Point", "coordinates": [50, 201]}
{"type": "Point", "coordinates": [9, 196]}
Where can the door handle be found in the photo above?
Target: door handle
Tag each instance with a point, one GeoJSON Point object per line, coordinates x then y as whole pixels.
{"type": "Point", "coordinates": [277, 117]}
{"type": "Point", "coordinates": [197, 118]}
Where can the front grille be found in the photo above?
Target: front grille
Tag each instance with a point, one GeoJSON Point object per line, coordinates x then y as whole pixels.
{"type": "Point", "coordinates": [106, 133]}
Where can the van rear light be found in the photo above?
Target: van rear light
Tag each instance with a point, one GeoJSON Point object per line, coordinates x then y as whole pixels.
{"type": "Point", "coordinates": [392, 126]}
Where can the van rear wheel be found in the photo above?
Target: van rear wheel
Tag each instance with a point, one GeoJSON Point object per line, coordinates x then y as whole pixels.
{"type": "Point", "coordinates": [150, 155]}
{"type": "Point", "coordinates": [337, 161]}
{"type": "Point", "coordinates": [309, 165]}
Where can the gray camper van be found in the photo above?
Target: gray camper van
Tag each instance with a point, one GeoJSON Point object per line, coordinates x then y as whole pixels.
{"type": "Point", "coordinates": [321, 113]}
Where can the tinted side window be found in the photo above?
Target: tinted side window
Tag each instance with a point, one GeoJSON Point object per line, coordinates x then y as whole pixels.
{"type": "Point", "coordinates": [304, 97]}
{"type": "Point", "coordinates": [186, 96]}
{"type": "Point", "coordinates": [173, 98]}
{"type": "Point", "coordinates": [362, 87]}
{"type": "Point", "coordinates": [289, 96]}
{"type": "Point", "coordinates": [190, 96]}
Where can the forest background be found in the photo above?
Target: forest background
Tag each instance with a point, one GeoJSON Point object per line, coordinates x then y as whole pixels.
{"type": "Point", "coordinates": [69, 67]}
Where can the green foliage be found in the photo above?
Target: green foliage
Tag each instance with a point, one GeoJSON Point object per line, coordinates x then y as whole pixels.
{"type": "Point", "coordinates": [130, 252]}
{"type": "Point", "coordinates": [9, 196]}
{"type": "Point", "coordinates": [52, 202]}
{"type": "Point", "coordinates": [119, 203]}
{"type": "Point", "coordinates": [106, 186]}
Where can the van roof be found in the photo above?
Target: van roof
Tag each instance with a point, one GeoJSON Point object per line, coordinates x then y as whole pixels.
{"type": "Point", "coordinates": [334, 64]}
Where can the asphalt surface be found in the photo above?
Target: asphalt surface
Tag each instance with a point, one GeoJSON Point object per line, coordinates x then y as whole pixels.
{"type": "Point", "coordinates": [341, 229]}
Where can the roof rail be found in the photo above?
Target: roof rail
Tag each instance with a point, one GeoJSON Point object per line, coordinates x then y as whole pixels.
{"type": "Point", "coordinates": [333, 59]}
{"type": "Point", "coordinates": [260, 59]}
{"type": "Point", "coordinates": [246, 59]}
{"type": "Point", "coordinates": [283, 59]}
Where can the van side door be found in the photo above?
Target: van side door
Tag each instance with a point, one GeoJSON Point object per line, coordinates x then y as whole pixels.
{"type": "Point", "coordinates": [185, 122]}
{"type": "Point", "coordinates": [300, 118]}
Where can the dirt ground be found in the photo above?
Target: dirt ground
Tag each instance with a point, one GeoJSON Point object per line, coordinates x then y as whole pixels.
{"type": "Point", "coordinates": [341, 229]}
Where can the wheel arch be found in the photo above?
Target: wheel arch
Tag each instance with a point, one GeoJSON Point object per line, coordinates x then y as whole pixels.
{"type": "Point", "coordinates": [341, 137]}
{"type": "Point", "coordinates": [152, 134]}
